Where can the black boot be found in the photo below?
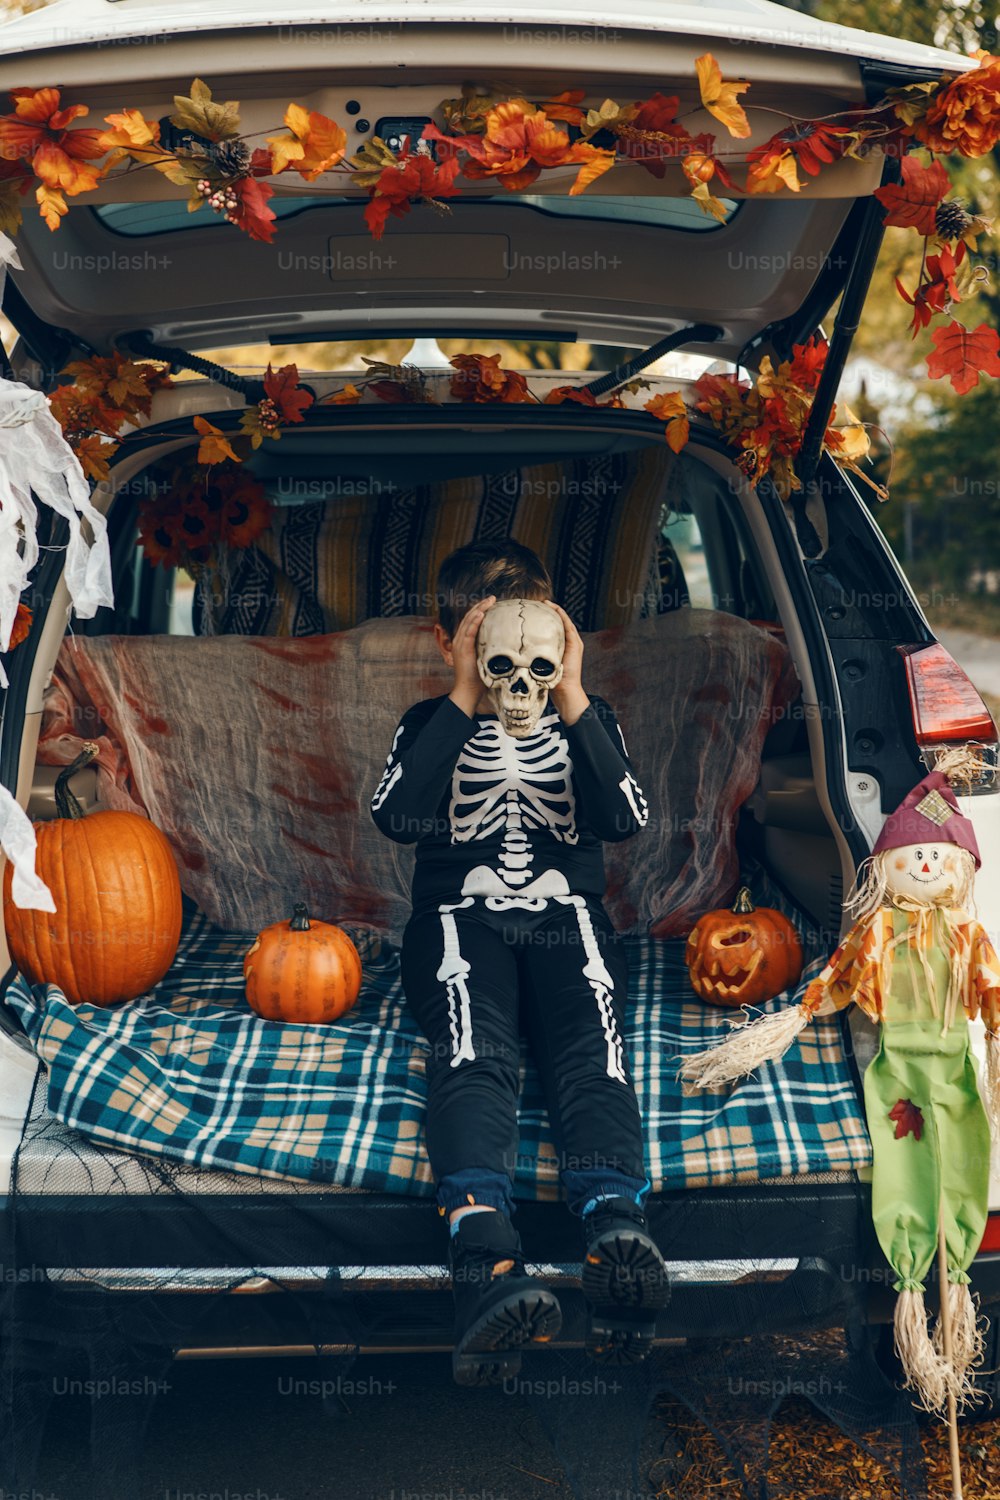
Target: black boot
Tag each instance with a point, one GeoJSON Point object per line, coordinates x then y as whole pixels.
{"type": "Point", "coordinates": [624, 1282]}
{"type": "Point", "coordinates": [498, 1306]}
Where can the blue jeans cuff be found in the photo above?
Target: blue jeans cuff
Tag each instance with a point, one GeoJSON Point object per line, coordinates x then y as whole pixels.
{"type": "Point", "coordinates": [475, 1185]}
{"type": "Point", "coordinates": [582, 1185]}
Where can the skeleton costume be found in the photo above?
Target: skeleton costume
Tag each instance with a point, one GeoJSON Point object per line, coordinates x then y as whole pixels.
{"type": "Point", "coordinates": [507, 913]}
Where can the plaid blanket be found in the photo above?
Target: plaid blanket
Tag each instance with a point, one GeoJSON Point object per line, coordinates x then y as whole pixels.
{"type": "Point", "coordinates": [188, 1073]}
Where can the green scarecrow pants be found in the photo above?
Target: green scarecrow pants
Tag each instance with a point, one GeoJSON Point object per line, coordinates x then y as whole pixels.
{"type": "Point", "coordinates": [940, 1162]}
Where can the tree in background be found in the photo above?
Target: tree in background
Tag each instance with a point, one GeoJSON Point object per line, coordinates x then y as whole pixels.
{"type": "Point", "coordinates": [943, 516]}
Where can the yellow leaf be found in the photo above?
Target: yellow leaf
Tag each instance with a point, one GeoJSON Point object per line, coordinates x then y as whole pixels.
{"type": "Point", "coordinates": [669, 408]}
{"type": "Point", "coordinates": [315, 145]}
{"type": "Point", "coordinates": [348, 395]}
{"type": "Point", "coordinates": [131, 135]}
{"type": "Point", "coordinates": [325, 145]}
{"type": "Point", "coordinates": [596, 161]}
{"type": "Point", "coordinates": [772, 175]}
{"type": "Point", "coordinates": [855, 443]}
{"type": "Point", "coordinates": [720, 98]}
{"type": "Point", "coordinates": [678, 432]}
{"type": "Point", "coordinates": [214, 447]}
{"type": "Point", "coordinates": [51, 205]}
{"type": "Point", "coordinates": [709, 204]}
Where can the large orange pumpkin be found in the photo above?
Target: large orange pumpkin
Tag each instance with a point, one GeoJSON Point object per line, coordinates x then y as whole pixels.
{"type": "Point", "coordinates": [117, 922]}
{"type": "Point", "coordinates": [303, 971]}
{"type": "Point", "coordinates": [743, 954]}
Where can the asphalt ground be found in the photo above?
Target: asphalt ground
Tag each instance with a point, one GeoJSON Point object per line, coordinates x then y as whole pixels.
{"type": "Point", "coordinates": [395, 1428]}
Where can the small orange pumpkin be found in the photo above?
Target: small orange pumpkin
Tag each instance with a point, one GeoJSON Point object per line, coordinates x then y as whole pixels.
{"type": "Point", "coordinates": [115, 883]}
{"type": "Point", "coordinates": [303, 971]}
{"type": "Point", "coordinates": [743, 954]}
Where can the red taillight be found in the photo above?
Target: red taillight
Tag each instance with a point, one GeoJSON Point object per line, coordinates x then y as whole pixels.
{"type": "Point", "coordinates": [946, 707]}
{"type": "Point", "coordinates": [991, 1239]}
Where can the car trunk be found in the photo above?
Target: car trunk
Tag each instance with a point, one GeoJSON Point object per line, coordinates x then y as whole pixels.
{"type": "Point", "coordinates": [628, 267]}
{"type": "Point", "coordinates": [180, 1235]}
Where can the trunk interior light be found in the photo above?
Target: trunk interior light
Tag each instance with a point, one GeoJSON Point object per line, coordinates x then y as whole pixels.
{"type": "Point", "coordinates": [945, 705]}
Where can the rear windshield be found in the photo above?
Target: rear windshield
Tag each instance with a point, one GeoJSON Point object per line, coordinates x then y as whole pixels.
{"type": "Point", "coordinates": [136, 219]}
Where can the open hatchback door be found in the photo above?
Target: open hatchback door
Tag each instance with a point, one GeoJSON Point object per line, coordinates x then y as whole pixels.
{"type": "Point", "coordinates": [632, 258]}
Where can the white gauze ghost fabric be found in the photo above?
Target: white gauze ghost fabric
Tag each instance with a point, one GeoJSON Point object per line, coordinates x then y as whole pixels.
{"type": "Point", "coordinates": [258, 757]}
{"type": "Point", "coordinates": [36, 462]}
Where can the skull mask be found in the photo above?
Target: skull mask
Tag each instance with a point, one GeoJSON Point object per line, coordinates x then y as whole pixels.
{"type": "Point", "coordinates": [520, 650]}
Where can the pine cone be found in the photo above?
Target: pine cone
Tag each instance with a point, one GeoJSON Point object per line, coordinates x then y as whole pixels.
{"type": "Point", "coordinates": [952, 219]}
{"type": "Point", "coordinates": [231, 158]}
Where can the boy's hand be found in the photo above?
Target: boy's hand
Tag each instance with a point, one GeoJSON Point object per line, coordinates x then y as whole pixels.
{"type": "Point", "coordinates": [569, 698]}
{"type": "Point", "coordinates": [468, 683]}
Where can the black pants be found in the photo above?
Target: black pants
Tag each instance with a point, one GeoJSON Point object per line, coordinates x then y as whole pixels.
{"type": "Point", "coordinates": [472, 971]}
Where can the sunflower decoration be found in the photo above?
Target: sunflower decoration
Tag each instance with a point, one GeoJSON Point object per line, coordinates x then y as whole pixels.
{"type": "Point", "coordinates": [195, 515]}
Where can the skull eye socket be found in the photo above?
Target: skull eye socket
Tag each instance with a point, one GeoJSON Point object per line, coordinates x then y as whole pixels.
{"type": "Point", "coordinates": [540, 667]}
{"type": "Point", "coordinates": [499, 666]}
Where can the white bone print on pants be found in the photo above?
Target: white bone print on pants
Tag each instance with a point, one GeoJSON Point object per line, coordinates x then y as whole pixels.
{"type": "Point", "coordinates": [454, 971]}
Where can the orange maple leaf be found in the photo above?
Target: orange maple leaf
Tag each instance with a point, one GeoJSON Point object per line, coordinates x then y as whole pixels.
{"type": "Point", "coordinates": [38, 133]}
{"type": "Point", "coordinates": [910, 204]}
{"type": "Point", "coordinates": [963, 355]}
{"type": "Point", "coordinates": [596, 161]}
{"type": "Point", "coordinates": [669, 408]}
{"type": "Point", "coordinates": [566, 106]}
{"type": "Point", "coordinates": [347, 395]}
{"type": "Point", "coordinates": [214, 447]}
{"type": "Point", "coordinates": [282, 387]}
{"type": "Point", "coordinates": [51, 205]}
{"type": "Point", "coordinates": [21, 627]}
{"type": "Point", "coordinates": [314, 145]}
{"type": "Point", "coordinates": [134, 136]}
{"type": "Point", "coordinates": [720, 98]}
{"type": "Point", "coordinates": [480, 378]}
{"type": "Point", "coordinates": [578, 393]}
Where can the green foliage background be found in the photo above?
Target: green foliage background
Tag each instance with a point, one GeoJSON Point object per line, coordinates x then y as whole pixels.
{"type": "Point", "coordinates": [943, 516]}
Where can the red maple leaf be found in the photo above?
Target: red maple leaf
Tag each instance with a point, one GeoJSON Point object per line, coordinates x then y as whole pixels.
{"type": "Point", "coordinates": [807, 362]}
{"type": "Point", "coordinates": [939, 290]}
{"type": "Point", "coordinates": [282, 387]}
{"type": "Point", "coordinates": [251, 212]}
{"type": "Point", "coordinates": [261, 164]}
{"type": "Point", "coordinates": [910, 204]}
{"type": "Point", "coordinates": [908, 1118]}
{"type": "Point", "coordinates": [412, 177]}
{"type": "Point", "coordinates": [963, 355]}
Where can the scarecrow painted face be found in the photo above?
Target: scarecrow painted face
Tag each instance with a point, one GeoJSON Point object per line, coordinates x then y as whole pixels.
{"type": "Point", "coordinates": [923, 872]}
{"type": "Point", "coordinates": [519, 649]}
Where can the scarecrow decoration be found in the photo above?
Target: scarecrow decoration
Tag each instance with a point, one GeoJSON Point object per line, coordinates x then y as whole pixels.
{"type": "Point", "coordinates": [919, 964]}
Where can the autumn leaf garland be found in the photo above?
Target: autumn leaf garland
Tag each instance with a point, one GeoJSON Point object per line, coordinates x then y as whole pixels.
{"type": "Point", "coordinates": [486, 136]}
{"type": "Point", "coordinates": [512, 141]}
{"type": "Point", "coordinates": [763, 420]}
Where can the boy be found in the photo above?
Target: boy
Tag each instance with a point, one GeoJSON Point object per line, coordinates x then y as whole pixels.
{"type": "Point", "coordinates": [491, 813]}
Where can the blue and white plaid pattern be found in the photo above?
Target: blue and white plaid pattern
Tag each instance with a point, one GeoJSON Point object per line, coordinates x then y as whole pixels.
{"type": "Point", "coordinates": [188, 1073]}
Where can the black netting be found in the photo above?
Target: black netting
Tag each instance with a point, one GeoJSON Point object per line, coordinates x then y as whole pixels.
{"type": "Point", "coordinates": [114, 1261]}
{"type": "Point", "coordinates": [79, 1328]}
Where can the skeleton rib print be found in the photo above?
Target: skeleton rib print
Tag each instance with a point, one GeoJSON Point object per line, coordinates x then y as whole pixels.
{"type": "Point", "coordinates": [520, 786]}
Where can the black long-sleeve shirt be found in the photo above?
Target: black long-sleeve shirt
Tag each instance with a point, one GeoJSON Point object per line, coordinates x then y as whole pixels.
{"type": "Point", "coordinates": [493, 815]}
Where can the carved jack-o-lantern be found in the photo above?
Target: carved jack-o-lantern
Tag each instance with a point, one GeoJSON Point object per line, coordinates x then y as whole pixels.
{"type": "Point", "coordinates": [743, 955]}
